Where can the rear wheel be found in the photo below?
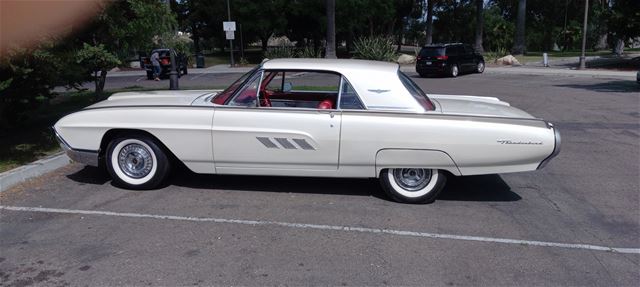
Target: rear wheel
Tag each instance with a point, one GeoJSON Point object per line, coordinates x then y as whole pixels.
{"type": "Point", "coordinates": [136, 162]}
{"type": "Point", "coordinates": [454, 71]}
{"type": "Point", "coordinates": [480, 67]}
{"type": "Point", "coordinates": [412, 185]}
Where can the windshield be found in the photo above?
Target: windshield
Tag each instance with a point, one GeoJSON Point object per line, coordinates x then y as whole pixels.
{"type": "Point", "coordinates": [223, 96]}
{"type": "Point", "coordinates": [416, 92]}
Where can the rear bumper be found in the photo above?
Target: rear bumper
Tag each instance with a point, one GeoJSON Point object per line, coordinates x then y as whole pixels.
{"type": "Point", "coordinates": [556, 147]}
{"type": "Point", "coordinates": [427, 69]}
{"type": "Point", "coordinates": [87, 157]}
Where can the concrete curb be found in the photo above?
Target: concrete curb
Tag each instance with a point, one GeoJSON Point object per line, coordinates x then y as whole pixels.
{"type": "Point", "coordinates": [31, 170]}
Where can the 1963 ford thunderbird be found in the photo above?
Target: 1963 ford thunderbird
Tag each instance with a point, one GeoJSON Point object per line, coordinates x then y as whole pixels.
{"type": "Point", "coordinates": [310, 117]}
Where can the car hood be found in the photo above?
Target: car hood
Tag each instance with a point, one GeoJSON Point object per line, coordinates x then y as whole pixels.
{"type": "Point", "coordinates": [152, 98]}
{"type": "Point", "coordinates": [477, 106]}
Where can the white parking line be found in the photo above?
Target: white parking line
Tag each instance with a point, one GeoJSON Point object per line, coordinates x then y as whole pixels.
{"type": "Point", "coordinates": [198, 76]}
{"type": "Point", "coordinates": [329, 227]}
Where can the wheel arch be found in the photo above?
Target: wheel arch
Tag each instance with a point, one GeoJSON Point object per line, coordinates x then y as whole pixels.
{"type": "Point", "coordinates": [113, 133]}
{"type": "Point", "coordinates": [415, 158]}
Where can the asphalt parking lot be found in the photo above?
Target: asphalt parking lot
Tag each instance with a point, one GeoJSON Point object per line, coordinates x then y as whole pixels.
{"type": "Point", "coordinates": [576, 222]}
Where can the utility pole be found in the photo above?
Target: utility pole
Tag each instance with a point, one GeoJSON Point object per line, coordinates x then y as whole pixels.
{"type": "Point", "coordinates": [583, 64]}
{"type": "Point", "coordinates": [173, 74]}
{"type": "Point", "coordinates": [230, 41]}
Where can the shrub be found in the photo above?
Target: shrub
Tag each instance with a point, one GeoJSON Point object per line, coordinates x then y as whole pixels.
{"type": "Point", "coordinates": [495, 55]}
{"type": "Point", "coordinates": [280, 52]}
{"type": "Point", "coordinates": [375, 48]}
{"type": "Point", "coordinates": [309, 52]}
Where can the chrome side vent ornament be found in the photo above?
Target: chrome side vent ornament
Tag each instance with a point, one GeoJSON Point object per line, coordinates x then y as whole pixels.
{"type": "Point", "coordinates": [267, 142]}
{"type": "Point", "coordinates": [285, 143]}
{"type": "Point", "coordinates": [303, 144]}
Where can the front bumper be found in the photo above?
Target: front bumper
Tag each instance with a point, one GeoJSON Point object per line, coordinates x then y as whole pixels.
{"type": "Point", "coordinates": [87, 157]}
{"type": "Point", "coordinates": [556, 146]}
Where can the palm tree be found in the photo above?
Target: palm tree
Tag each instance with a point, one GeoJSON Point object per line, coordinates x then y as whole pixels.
{"type": "Point", "coordinates": [429, 21]}
{"type": "Point", "coordinates": [479, 25]}
{"type": "Point", "coordinates": [331, 30]}
{"type": "Point", "coordinates": [519, 39]}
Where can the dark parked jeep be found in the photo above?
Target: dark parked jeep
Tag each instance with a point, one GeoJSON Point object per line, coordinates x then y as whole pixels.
{"type": "Point", "coordinates": [165, 63]}
{"type": "Point", "coordinates": [449, 59]}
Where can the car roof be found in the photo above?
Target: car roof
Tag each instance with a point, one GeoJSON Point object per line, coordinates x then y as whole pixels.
{"type": "Point", "coordinates": [376, 83]}
{"type": "Point", "coordinates": [342, 66]}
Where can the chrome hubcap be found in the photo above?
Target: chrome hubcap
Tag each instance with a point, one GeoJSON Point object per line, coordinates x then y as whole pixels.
{"type": "Point", "coordinates": [454, 71]}
{"type": "Point", "coordinates": [135, 160]}
{"type": "Point", "coordinates": [480, 67]}
{"type": "Point", "coordinates": [412, 179]}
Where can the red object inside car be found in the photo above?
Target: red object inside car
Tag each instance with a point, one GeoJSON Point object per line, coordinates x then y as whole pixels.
{"type": "Point", "coordinates": [325, 105]}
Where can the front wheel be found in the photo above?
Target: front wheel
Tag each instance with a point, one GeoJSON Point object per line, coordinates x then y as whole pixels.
{"type": "Point", "coordinates": [136, 162]}
{"type": "Point", "coordinates": [412, 185]}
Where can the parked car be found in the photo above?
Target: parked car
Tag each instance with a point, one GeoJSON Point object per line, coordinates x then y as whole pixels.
{"type": "Point", "coordinates": [448, 59]}
{"type": "Point", "coordinates": [165, 63]}
{"type": "Point", "coordinates": [310, 117]}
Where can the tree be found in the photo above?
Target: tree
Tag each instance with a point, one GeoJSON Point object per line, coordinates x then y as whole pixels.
{"type": "Point", "coordinates": [331, 29]}
{"type": "Point", "coordinates": [479, 25]}
{"type": "Point", "coordinates": [429, 21]}
{"type": "Point", "coordinates": [97, 59]}
{"type": "Point", "coordinates": [624, 22]}
{"type": "Point", "coordinates": [121, 29]}
{"type": "Point", "coordinates": [519, 44]}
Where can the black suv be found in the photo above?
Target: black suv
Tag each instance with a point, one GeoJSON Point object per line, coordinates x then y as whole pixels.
{"type": "Point", "coordinates": [450, 59]}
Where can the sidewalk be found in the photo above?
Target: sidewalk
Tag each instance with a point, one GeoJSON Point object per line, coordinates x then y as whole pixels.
{"type": "Point", "coordinates": [516, 70]}
{"type": "Point", "coordinates": [542, 71]}
{"type": "Point", "coordinates": [217, 69]}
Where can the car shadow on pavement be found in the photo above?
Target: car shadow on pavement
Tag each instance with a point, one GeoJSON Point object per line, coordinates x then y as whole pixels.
{"type": "Point", "coordinates": [312, 185]}
{"type": "Point", "coordinates": [90, 175]}
{"type": "Point", "coordinates": [478, 188]}
{"type": "Point", "coordinates": [617, 86]}
{"type": "Point", "coordinates": [465, 188]}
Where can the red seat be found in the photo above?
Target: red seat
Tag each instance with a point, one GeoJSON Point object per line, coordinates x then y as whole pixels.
{"type": "Point", "coordinates": [325, 105]}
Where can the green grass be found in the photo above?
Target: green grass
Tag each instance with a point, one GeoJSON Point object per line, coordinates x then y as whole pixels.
{"type": "Point", "coordinates": [33, 138]}
{"type": "Point", "coordinates": [252, 57]}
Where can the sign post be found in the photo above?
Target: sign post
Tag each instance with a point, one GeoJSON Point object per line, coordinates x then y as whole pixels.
{"type": "Point", "coordinates": [229, 28]}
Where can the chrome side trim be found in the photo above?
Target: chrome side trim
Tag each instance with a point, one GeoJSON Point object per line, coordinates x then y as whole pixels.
{"type": "Point", "coordinates": [556, 147]}
{"type": "Point", "coordinates": [88, 157]}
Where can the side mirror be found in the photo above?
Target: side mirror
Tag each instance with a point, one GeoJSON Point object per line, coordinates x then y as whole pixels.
{"type": "Point", "coordinates": [287, 87]}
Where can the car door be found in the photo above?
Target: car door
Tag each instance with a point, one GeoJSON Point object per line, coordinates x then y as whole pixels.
{"type": "Point", "coordinates": [468, 58]}
{"type": "Point", "coordinates": [249, 136]}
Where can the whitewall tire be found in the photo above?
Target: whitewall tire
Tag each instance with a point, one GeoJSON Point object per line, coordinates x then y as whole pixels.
{"type": "Point", "coordinates": [136, 162]}
{"type": "Point", "coordinates": [412, 185]}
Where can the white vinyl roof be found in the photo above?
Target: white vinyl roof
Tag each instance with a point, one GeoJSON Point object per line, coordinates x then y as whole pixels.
{"type": "Point", "coordinates": [377, 83]}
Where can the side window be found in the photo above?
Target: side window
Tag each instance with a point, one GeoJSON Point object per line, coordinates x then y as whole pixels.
{"type": "Point", "coordinates": [468, 50]}
{"type": "Point", "coordinates": [452, 51]}
{"type": "Point", "coordinates": [300, 89]}
{"type": "Point", "coordinates": [248, 94]}
{"type": "Point", "coordinates": [276, 82]}
{"type": "Point", "coordinates": [349, 99]}
{"type": "Point", "coordinates": [312, 81]}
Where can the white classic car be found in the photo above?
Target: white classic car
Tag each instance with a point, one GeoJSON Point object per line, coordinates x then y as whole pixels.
{"type": "Point", "coordinates": [310, 117]}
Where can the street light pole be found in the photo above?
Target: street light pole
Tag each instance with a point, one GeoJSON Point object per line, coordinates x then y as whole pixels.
{"type": "Point", "coordinates": [230, 41]}
{"type": "Point", "coordinates": [583, 64]}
